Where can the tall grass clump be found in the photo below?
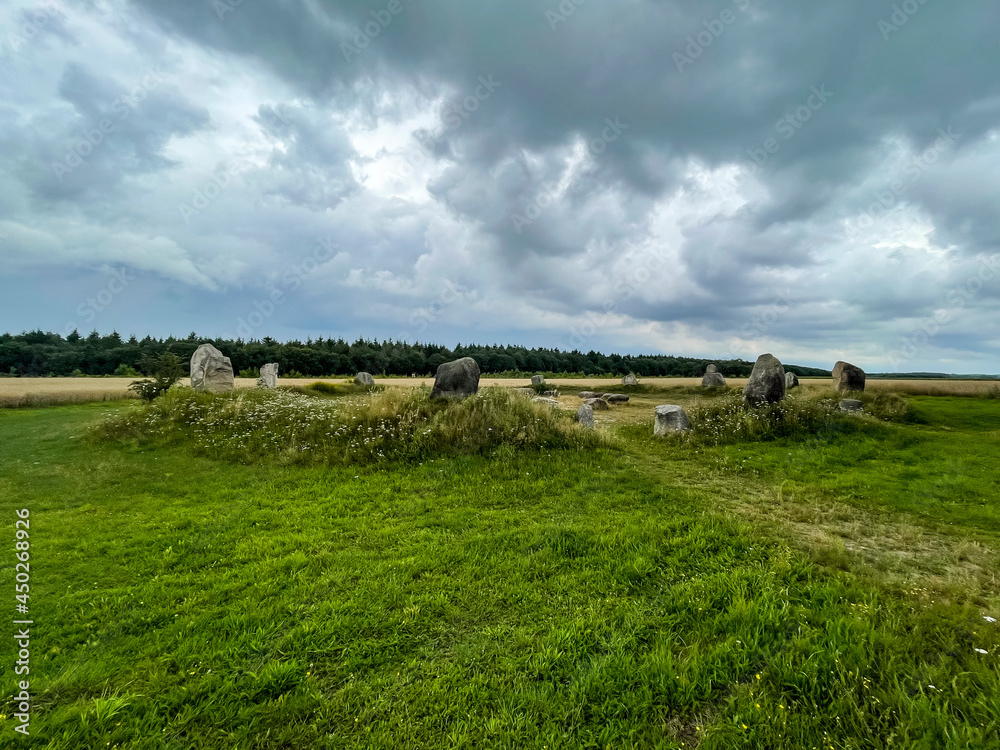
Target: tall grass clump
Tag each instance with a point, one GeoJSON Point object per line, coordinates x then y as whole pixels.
{"type": "Point", "coordinates": [730, 420]}
{"type": "Point", "coordinates": [800, 415]}
{"type": "Point", "coordinates": [252, 426]}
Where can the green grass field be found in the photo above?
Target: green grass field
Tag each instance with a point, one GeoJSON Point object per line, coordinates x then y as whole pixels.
{"type": "Point", "coordinates": [830, 591]}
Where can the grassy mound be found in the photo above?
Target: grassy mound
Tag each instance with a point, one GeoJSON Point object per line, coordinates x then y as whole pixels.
{"type": "Point", "coordinates": [728, 420]}
{"type": "Point", "coordinates": [252, 426]}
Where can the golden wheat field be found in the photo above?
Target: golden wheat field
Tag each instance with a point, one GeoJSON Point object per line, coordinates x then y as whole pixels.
{"type": "Point", "coordinates": [28, 392]}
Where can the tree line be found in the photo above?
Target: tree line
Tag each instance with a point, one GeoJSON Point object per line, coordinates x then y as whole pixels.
{"type": "Point", "coordinates": [41, 354]}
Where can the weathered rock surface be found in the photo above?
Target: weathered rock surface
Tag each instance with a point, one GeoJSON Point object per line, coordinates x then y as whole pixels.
{"type": "Point", "coordinates": [538, 380]}
{"type": "Point", "coordinates": [848, 377]}
{"type": "Point", "coordinates": [767, 381]}
{"type": "Point", "coordinates": [364, 378]}
{"type": "Point", "coordinates": [597, 404]}
{"type": "Point", "coordinates": [551, 394]}
{"type": "Point", "coordinates": [211, 371]}
{"type": "Point", "coordinates": [546, 401]}
{"type": "Point", "coordinates": [630, 379]}
{"type": "Point", "coordinates": [268, 376]}
{"type": "Point", "coordinates": [670, 419]}
{"type": "Point", "coordinates": [458, 379]}
{"type": "Point", "coordinates": [585, 416]}
{"type": "Point", "coordinates": [615, 398]}
{"type": "Point", "coordinates": [589, 394]}
{"type": "Point", "coordinates": [851, 404]}
{"type": "Point", "coordinates": [791, 381]}
{"type": "Point", "coordinates": [713, 380]}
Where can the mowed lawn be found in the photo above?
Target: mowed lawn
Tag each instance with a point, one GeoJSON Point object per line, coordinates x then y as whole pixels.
{"type": "Point", "coordinates": [832, 593]}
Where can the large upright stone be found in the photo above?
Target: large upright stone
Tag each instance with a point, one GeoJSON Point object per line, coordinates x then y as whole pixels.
{"type": "Point", "coordinates": [585, 416]}
{"type": "Point", "coordinates": [848, 377]}
{"type": "Point", "coordinates": [211, 371]}
{"type": "Point", "coordinates": [630, 379]}
{"type": "Point", "coordinates": [791, 381]}
{"type": "Point", "coordinates": [268, 376]}
{"type": "Point", "coordinates": [669, 419]}
{"type": "Point", "coordinates": [767, 381]}
{"type": "Point", "coordinates": [538, 380]}
{"type": "Point", "coordinates": [458, 379]}
{"type": "Point", "coordinates": [713, 380]}
{"type": "Point", "coordinates": [364, 378]}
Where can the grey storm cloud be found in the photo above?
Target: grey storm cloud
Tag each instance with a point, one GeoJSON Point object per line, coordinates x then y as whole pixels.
{"type": "Point", "coordinates": [655, 165]}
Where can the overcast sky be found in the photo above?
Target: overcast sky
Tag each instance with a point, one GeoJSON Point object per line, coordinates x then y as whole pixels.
{"type": "Point", "coordinates": [722, 178]}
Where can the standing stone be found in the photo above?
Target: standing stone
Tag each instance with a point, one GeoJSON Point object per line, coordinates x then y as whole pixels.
{"type": "Point", "coordinates": [268, 376]}
{"type": "Point", "coordinates": [585, 416]}
{"type": "Point", "coordinates": [713, 380]}
{"type": "Point", "coordinates": [670, 419]}
{"type": "Point", "coordinates": [711, 368]}
{"type": "Point", "coordinates": [630, 379]}
{"type": "Point", "coordinates": [848, 377]}
{"type": "Point", "coordinates": [211, 371]}
{"type": "Point", "coordinates": [538, 380]}
{"type": "Point", "coordinates": [597, 404]}
{"type": "Point", "coordinates": [851, 404]}
{"type": "Point", "coordinates": [791, 381]}
{"type": "Point", "coordinates": [458, 379]}
{"type": "Point", "coordinates": [364, 378]}
{"type": "Point", "coordinates": [767, 381]}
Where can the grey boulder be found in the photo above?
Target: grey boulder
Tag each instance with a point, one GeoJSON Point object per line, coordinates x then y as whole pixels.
{"type": "Point", "coordinates": [615, 398]}
{"type": "Point", "coordinates": [791, 381]}
{"type": "Point", "coordinates": [589, 394]}
{"type": "Point", "coordinates": [211, 371]}
{"type": "Point", "coordinates": [364, 378]}
{"type": "Point", "coordinates": [268, 376]}
{"type": "Point", "coordinates": [713, 380]}
{"type": "Point", "coordinates": [630, 379]}
{"type": "Point", "coordinates": [546, 401]}
{"type": "Point", "coordinates": [851, 404]}
{"type": "Point", "coordinates": [458, 379]}
{"type": "Point", "coordinates": [538, 380]}
{"type": "Point", "coordinates": [767, 381]}
{"type": "Point", "coordinates": [711, 368]}
{"type": "Point", "coordinates": [848, 377]}
{"type": "Point", "coordinates": [585, 416]}
{"type": "Point", "coordinates": [597, 404]}
{"type": "Point", "coordinates": [670, 419]}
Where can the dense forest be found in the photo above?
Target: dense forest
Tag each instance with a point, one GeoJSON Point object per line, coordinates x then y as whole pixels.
{"type": "Point", "coordinates": [38, 354]}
